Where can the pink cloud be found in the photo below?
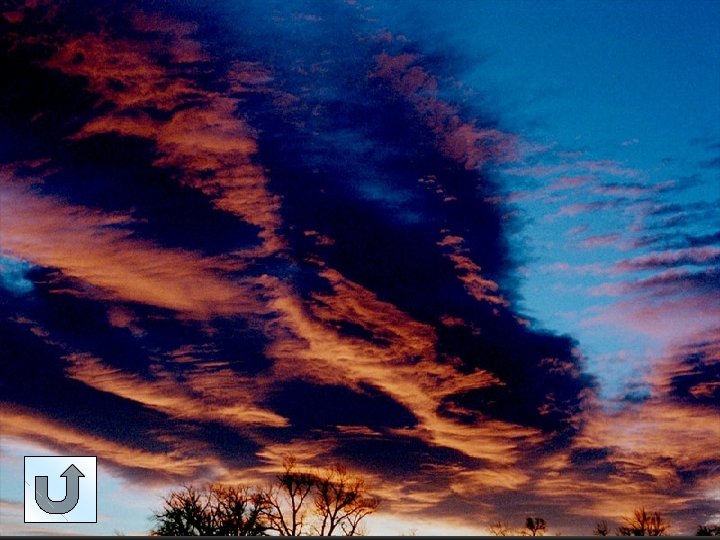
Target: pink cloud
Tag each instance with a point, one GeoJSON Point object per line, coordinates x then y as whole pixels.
{"type": "Point", "coordinates": [621, 190]}
{"type": "Point", "coordinates": [465, 142]}
{"type": "Point", "coordinates": [664, 318]}
{"type": "Point", "coordinates": [670, 258]}
{"type": "Point", "coordinates": [569, 182]}
{"type": "Point", "coordinates": [577, 230]}
{"type": "Point", "coordinates": [583, 167]}
{"type": "Point", "coordinates": [575, 209]}
{"type": "Point", "coordinates": [600, 240]}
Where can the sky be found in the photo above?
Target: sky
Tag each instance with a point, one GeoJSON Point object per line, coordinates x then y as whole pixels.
{"type": "Point", "coordinates": [469, 250]}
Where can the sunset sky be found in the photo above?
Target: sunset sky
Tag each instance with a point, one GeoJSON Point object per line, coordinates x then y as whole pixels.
{"type": "Point", "coordinates": [468, 249]}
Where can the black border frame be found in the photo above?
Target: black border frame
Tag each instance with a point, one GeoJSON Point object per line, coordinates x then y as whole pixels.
{"type": "Point", "coordinates": [25, 502]}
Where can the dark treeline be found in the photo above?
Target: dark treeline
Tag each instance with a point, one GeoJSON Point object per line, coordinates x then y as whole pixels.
{"type": "Point", "coordinates": [331, 502]}
{"type": "Point", "coordinates": [640, 523]}
{"type": "Point", "coordinates": [299, 502]}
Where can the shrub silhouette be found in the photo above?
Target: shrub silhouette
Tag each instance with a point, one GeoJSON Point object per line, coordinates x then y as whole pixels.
{"type": "Point", "coordinates": [601, 528]}
{"type": "Point", "coordinates": [534, 526]}
{"type": "Point", "coordinates": [643, 523]}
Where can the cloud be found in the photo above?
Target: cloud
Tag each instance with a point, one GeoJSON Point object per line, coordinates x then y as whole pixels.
{"type": "Point", "coordinates": [575, 209]}
{"type": "Point", "coordinates": [668, 305]}
{"type": "Point", "coordinates": [205, 393]}
{"type": "Point", "coordinates": [705, 255]}
{"type": "Point", "coordinates": [98, 248]}
{"type": "Point", "coordinates": [482, 289]}
{"type": "Point", "coordinates": [568, 182]}
{"type": "Point", "coordinates": [462, 141]}
{"type": "Point", "coordinates": [566, 268]}
{"type": "Point", "coordinates": [690, 371]}
{"type": "Point", "coordinates": [638, 452]}
{"type": "Point", "coordinates": [587, 167]}
{"type": "Point", "coordinates": [196, 133]}
{"type": "Point", "coordinates": [626, 189]}
{"type": "Point", "coordinates": [395, 354]}
{"type": "Point", "coordinates": [599, 240]}
{"type": "Point", "coordinates": [161, 466]}
{"type": "Point", "coordinates": [676, 240]}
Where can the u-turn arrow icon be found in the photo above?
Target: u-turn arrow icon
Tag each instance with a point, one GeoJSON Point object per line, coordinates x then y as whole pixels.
{"type": "Point", "coordinates": [72, 492]}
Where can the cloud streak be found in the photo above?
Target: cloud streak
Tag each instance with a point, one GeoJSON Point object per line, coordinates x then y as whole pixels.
{"type": "Point", "coordinates": [97, 248]}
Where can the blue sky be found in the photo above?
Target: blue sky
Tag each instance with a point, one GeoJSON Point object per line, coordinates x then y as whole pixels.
{"type": "Point", "coordinates": [607, 72]}
{"type": "Point", "coordinates": [636, 83]}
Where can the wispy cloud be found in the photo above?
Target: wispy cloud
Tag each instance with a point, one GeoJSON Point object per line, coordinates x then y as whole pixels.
{"type": "Point", "coordinates": [599, 240]}
{"type": "Point", "coordinates": [98, 248]}
{"type": "Point", "coordinates": [201, 138]}
{"type": "Point", "coordinates": [594, 167]}
{"type": "Point", "coordinates": [460, 140]}
{"type": "Point", "coordinates": [706, 255]}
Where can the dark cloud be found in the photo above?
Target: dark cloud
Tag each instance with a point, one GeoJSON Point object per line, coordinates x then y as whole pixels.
{"type": "Point", "coordinates": [582, 456]}
{"type": "Point", "coordinates": [696, 377]}
{"type": "Point", "coordinates": [713, 163]}
{"type": "Point", "coordinates": [400, 456]}
{"type": "Point", "coordinates": [310, 406]}
{"type": "Point", "coordinates": [116, 173]}
{"type": "Point", "coordinates": [680, 282]}
{"type": "Point", "coordinates": [699, 256]}
{"type": "Point", "coordinates": [677, 240]}
{"type": "Point", "coordinates": [33, 378]}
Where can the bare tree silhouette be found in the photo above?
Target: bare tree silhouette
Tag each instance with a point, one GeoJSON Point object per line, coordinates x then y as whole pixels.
{"type": "Point", "coordinates": [535, 526]}
{"type": "Point", "coordinates": [342, 502]}
{"type": "Point", "coordinates": [239, 512]}
{"type": "Point", "coordinates": [601, 528]}
{"type": "Point", "coordinates": [212, 511]}
{"type": "Point", "coordinates": [286, 509]}
{"type": "Point", "coordinates": [500, 529]}
{"type": "Point", "coordinates": [643, 523]}
{"type": "Point", "coordinates": [332, 502]}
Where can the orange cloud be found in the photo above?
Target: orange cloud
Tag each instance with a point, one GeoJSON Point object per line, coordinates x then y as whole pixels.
{"type": "Point", "coordinates": [99, 249]}
{"type": "Point", "coordinates": [657, 429]}
{"type": "Point", "coordinates": [478, 482]}
{"type": "Point", "coordinates": [400, 359]}
{"type": "Point", "coordinates": [643, 448]}
{"type": "Point", "coordinates": [214, 151]}
{"type": "Point", "coordinates": [186, 458]}
{"type": "Point", "coordinates": [461, 141]}
{"type": "Point", "coordinates": [480, 288]}
{"type": "Point", "coordinates": [203, 139]}
{"type": "Point", "coordinates": [209, 393]}
{"type": "Point", "coordinates": [175, 36]}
